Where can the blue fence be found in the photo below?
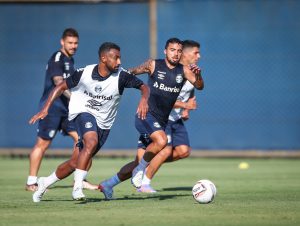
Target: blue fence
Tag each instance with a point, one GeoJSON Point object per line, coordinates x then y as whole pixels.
{"type": "Point", "coordinates": [249, 49]}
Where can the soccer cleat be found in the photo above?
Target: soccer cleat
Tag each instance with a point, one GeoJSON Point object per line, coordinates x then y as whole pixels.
{"type": "Point", "coordinates": [41, 189]}
{"type": "Point", "coordinates": [31, 187]}
{"type": "Point", "coordinates": [146, 188]}
{"type": "Point", "coordinates": [107, 191]}
{"type": "Point", "coordinates": [87, 185]}
{"type": "Point", "coordinates": [78, 195]}
{"type": "Point", "coordinates": [137, 177]}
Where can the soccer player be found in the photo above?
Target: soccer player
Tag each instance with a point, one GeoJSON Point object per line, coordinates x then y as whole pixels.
{"type": "Point", "coordinates": [96, 93]}
{"type": "Point", "coordinates": [178, 146]}
{"type": "Point", "coordinates": [59, 67]}
{"type": "Point", "coordinates": [166, 78]}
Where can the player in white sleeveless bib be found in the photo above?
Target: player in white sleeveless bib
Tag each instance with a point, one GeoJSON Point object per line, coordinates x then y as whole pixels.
{"type": "Point", "coordinates": [96, 93]}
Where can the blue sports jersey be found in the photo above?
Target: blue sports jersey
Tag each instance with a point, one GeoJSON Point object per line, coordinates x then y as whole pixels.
{"type": "Point", "coordinates": [58, 65]}
{"type": "Point", "coordinates": [165, 85]}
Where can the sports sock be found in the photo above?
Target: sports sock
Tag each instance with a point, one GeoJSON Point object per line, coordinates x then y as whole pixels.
{"type": "Point", "coordinates": [146, 180]}
{"type": "Point", "coordinates": [51, 179]}
{"type": "Point", "coordinates": [143, 164]}
{"type": "Point", "coordinates": [79, 175]}
{"type": "Point", "coordinates": [111, 182]}
{"type": "Point", "coordinates": [31, 180]}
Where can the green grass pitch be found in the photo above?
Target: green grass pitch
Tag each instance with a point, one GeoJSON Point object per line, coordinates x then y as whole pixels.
{"type": "Point", "coordinates": [268, 193]}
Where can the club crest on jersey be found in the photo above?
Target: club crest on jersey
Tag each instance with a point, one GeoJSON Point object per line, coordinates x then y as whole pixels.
{"type": "Point", "coordinates": [156, 125]}
{"type": "Point", "coordinates": [51, 133]}
{"type": "Point", "coordinates": [88, 125]}
{"type": "Point", "coordinates": [98, 89]}
{"type": "Point", "coordinates": [179, 78]}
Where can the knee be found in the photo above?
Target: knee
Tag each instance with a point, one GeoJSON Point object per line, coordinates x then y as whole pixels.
{"type": "Point", "coordinates": [161, 142]}
{"type": "Point", "coordinates": [184, 152]}
{"type": "Point", "coordinates": [90, 146]}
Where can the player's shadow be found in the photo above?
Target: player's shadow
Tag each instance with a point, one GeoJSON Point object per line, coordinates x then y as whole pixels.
{"type": "Point", "coordinates": [130, 198]}
{"type": "Point", "coordinates": [61, 186]}
{"type": "Point", "coordinates": [177, 189]}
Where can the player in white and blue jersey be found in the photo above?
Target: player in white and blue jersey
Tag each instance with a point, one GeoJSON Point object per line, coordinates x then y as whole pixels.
{"type": "Point", "coordinates": [166, 78]}
{"type": "Point", "coordinates": [96, 93]}
{"type": "Point", "coordinates": [178, 146]}
{"type": "Point", "coordinates": [60, 66]}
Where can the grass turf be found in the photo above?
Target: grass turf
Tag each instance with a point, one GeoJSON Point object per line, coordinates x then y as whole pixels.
{"type": "Point", "coordinates": [268, 193]}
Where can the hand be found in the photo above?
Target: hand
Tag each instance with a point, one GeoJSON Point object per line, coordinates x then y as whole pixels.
{"type": "Point", "coordinates": [191, 104]}
{"type": "Point", "coordinates": [195, 69]}
{"type": "Point", "coordinates": [185, 115]}
{"type": "Point", "coordinates": [40, 115]}
{"type": "Point", "coordinates": [142, 108]}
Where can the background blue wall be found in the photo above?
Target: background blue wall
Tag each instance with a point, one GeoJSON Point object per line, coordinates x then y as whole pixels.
{"type": "Point", "coordinates": [249, 56]}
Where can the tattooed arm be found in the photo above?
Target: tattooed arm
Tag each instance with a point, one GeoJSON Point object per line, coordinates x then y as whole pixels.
{"type": "Point", "coordinates": [146, 67]}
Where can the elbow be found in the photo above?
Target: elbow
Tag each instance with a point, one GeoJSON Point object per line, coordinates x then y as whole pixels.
{"type": "Point", "coordinates": [199, 86]}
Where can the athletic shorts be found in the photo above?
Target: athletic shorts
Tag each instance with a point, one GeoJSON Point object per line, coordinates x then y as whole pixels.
{"type": "Point", "coordinates": [48, 127]}
{"type": "Point", "coordinates": [176, 134]}
{"type": "Point", "coordinates": [147, 126]}
{"type": "Point", "coordinates": [86, 122]}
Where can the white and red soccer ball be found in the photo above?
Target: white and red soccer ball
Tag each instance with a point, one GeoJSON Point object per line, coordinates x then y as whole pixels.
{"type": "Point", "coordinates": [204, 191]}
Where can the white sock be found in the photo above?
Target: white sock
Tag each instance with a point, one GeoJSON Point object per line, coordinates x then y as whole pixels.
{"type": "Point", "coordinates": [51, 179]}
{"type": "Point", "coordinates": [79, 175]}
{"type": "Point", "coordinates": [111, 182]}
{"type": "Point", "coordinates": [31, 180]}
{"type": "Point", "coordinates": [146, 180]}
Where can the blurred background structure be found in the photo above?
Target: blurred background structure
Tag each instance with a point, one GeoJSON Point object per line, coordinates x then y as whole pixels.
{"type": "Point", "coordinates": [249, 55]}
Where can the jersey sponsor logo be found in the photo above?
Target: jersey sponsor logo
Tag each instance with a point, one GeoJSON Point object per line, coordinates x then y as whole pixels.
{"type": "Point", "coordinates": [163, 87]}
{"type": "Point", "coordinates": [161, 75]}
{"type": "Point", "coordinates": [66, 75]}
{"type": "Point", "coordinates": [179, 78]}
{"type": "Point", "coordinates": [102, 97]}
{"type": "Point", "coordinates": [88, 125]}
{"type": "Point", "coordinates": [93, 104]}
{"type": "Point", "coordinates": [80, 69]}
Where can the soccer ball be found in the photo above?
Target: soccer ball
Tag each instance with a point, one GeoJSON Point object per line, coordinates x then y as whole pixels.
{"type": "Point", "coordinates": [204, 191]}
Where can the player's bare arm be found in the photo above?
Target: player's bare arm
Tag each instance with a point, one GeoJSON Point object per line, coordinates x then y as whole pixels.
{"type": "Point", "coordinates": [193, 74]}
{"type": "Point", "coordinates": [191, 104]}
{"type": "Point", "coordinates": [58, 80]}
{"type": "Point", "coordinates": [56, 92]}
{"type": "Point", "coordinates": [143, 105]}
{"type": "Point", "coordinates": [146, 67]}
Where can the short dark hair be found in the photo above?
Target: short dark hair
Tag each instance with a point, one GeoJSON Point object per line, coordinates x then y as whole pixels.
{"type": "Point", "coordinates": [190, 44]}
{"type": "Point", "coordinates": [173, 40]}
{"type": "Point", "coordinates": [106, 46]}
{"type": "Point", "coordinates": [70, 32]}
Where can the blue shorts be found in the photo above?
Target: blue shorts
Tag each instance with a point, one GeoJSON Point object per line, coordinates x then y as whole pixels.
{"type": "Point", "coordinates": [176, 134]}
{"type": "Point", "coordinates": [48, 127]}
{"type": "Point", "coordinates": [147, 126]}
{"type": "Point", "coordinates": [86, 122]}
